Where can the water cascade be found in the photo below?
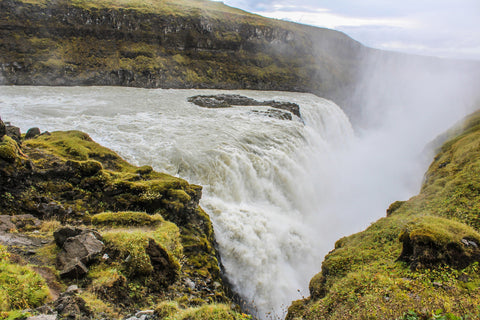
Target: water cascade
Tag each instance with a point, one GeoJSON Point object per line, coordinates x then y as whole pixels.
{"type": "Point", "coordinates": [279, 192]}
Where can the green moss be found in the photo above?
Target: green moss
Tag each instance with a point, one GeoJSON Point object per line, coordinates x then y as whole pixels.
{"type": "Point", "coordinates": [8, 149]}
{"type": "Point", "coordinates": [167, 310]}
{"type": "Point", "coordinates": [20, 286]}
{"type": "Point", "coordinates": [131, 246]}
{"type": "Point", "coordinates": [128, 218]}
{"type": "Point", "coordinates": [76, 145]}
{"type": "Point", "coordinates": [131, 249]}
{"type": "Point", "coordinates": [171, 310]}
{"type": "Point", "coordinates": [439, 231]}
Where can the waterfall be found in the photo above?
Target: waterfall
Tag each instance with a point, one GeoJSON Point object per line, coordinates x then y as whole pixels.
{"type": "Point", "coordinates": [279, 192]}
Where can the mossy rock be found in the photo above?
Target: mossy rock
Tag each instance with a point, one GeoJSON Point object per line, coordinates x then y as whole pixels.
{"type": "Point", "coordinates": [433, 241]}
{"type": "Point", "coordinates": [9, 150]}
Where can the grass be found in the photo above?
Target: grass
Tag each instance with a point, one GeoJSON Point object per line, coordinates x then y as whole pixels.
{"type": "Point", "coordinates": [20, 286]}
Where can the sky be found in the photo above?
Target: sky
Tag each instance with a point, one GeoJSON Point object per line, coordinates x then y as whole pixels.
{"type": "Point", "coordinates": [442, 28]}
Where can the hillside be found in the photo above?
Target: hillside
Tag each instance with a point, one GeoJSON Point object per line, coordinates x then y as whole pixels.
{"type": "Point", "coordinates": [419, 262]}
{"type": "Point", "coordinates": [168, 44]}
{"type": "Point", "coordinates": [86, 235]}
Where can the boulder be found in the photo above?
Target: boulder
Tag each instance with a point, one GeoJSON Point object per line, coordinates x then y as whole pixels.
{"type": "Point", "coordinates": [14, 133]}
{"type": "Point", "coordinates": [32, 133]}
{"type": "Point", "coordinates": [80, 246]}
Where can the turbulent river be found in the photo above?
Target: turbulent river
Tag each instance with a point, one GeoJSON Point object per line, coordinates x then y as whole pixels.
{"type": "Point", "coordinates": [279, 192]}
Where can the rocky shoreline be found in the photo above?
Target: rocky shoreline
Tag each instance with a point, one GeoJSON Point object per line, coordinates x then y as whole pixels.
{"type": "Point", "coordinates": [101, 238]}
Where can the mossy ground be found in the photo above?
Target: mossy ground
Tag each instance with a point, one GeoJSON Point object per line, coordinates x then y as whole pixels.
{"type": "Point", "coordinates": [362, 278]}
{"type": "Point", "coordinates": [158, 241]}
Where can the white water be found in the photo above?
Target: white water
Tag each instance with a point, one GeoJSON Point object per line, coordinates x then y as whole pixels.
{"type": "Point", "coordinates": [279, 192]}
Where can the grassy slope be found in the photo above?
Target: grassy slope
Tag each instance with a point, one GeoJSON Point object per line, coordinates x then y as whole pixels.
{"type": "Point", "coordinates": [362, 278]}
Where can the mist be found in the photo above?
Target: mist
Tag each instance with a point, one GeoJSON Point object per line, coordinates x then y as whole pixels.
{"type": "Point", "coordinates": [400, 103]}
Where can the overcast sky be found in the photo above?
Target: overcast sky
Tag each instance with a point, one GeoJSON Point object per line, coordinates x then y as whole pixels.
{"type": "Point", "coordinates": [445, 28]}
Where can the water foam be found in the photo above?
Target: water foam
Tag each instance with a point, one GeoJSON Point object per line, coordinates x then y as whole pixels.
{"type": "Point", "coordinates": [264, 179]}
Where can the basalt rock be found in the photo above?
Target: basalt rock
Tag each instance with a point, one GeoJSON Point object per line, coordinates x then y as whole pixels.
{"type": "Point", "coordinates": [229, 100]}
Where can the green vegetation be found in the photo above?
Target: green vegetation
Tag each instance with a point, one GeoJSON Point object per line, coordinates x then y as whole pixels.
{"type": "Point", "coordinates": [126, 219]}
{"type": "Point", "coordinates": [171, 310]}
{"type": "Point", "coordinates": [8, 149]}
{"type": "Point", "coordinates": [422, 260]}
{"type": "Point", "coordinates": [157, 239]}
{"type": "Point", "coordinates": [20, 286]}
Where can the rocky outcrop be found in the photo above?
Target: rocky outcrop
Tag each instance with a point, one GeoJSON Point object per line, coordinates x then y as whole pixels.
{"type": "Point", "coordinates": [432, 242]}
{"type": "Point", "coordinates": [3, 129]}
{"type": "Point", "coordinates": [228, 100]}
{"type": "Point", "coordinates": [149, 222]}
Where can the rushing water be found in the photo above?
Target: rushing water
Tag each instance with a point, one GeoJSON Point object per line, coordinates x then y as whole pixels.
{"type": "Point", "coordinates": [279, 192]}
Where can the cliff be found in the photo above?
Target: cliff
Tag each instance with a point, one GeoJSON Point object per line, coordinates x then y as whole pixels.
{"type": "Point", "coordinates": [86, 235]}
{"type": "Point", "coordinates": [419, 262]}
{"type": "Point", "coordinates": [169, 44]}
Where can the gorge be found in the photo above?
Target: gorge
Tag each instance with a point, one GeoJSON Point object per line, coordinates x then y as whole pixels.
{"type": "Point", "coordinates": [279, 192]}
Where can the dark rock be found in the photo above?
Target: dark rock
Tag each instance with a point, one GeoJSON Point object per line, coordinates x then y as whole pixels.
{"type": "Point", "coordinates": [166, 270]}
{"type": "Point", "coordinates": [32, 133]}
{"type": "Point", "coordinates": [70, 306]}
{"type": "Point", "coordinates": [51, 209]}
{"type": "Point", "coordinates": [62, 234]}
{"type": "Point", "coordinates": [228, 100]}
{"type": "Point", "coordinates": [14, 133]}
{"type": "Point", "coordinates": [3, 128]}
{"type": "Point", "coordinates": [74, 269]}
{"type": "Point", "coordinates": [288, 106]}
{"type": "Point", "coordinates": [77, 252]}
